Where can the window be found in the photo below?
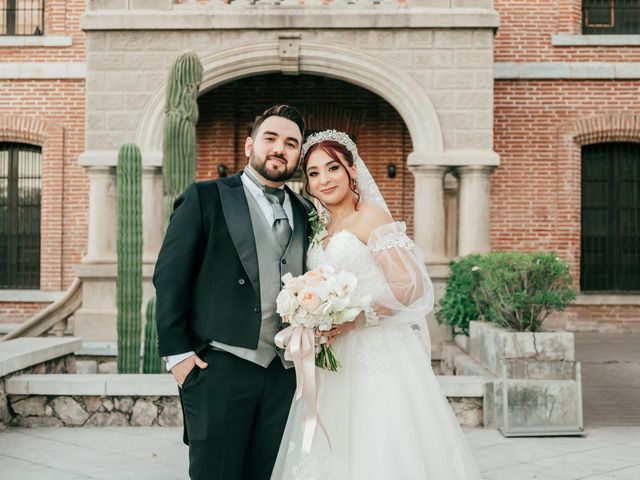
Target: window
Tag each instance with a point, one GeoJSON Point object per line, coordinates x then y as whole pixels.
{"type": "Point", "coordinates": [20, 167]}
{"type": "Point", "coordinates": [21, 17]}
{"type": "Point", "coordinates": [610, 243]}
{"type": "Point", "coordinates": [610, 17]}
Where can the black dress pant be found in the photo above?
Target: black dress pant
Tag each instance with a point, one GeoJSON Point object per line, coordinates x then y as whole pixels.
{"type": "Point", "coordinates": [235, 412]}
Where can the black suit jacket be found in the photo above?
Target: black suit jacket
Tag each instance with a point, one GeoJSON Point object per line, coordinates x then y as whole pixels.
{"type": "Point", "coordinates": [206, 276]}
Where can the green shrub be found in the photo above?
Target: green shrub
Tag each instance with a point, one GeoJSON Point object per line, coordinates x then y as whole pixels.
{"type": "Point", "coordinates": [515, 290]}
{"type": "Point", "coordinates": [521, 289]}
{"type": "Point", "coordinates": [457, 306]}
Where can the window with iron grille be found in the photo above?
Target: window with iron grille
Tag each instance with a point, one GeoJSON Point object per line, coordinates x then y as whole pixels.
{"type": "Point", "coordinates": [610, 243]}
{"type": "Point", "coordinates": [21, 17]}
{"type": "Point", "coordinates": [20, 167]}
{"type": "Point", "coordinates": [607, 17]}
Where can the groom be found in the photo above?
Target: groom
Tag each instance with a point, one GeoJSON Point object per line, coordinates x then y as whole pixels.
{"type": "Point", "coordinates": [217, 277]}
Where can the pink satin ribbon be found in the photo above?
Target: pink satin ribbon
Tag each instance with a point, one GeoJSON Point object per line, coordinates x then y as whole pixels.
{"type": "Point", "coordinates": [299, 347]}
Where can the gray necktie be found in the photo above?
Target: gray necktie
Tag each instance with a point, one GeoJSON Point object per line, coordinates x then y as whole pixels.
{"type": "Point", "coordinates": [281, 227]}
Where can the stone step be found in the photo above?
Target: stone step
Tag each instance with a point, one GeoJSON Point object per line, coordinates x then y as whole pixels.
{"type": "Point", "coordinates": [98, 349]}
{"type": "Point", "coordinates": [463, 364]}
{"type": "Point", "coordinates": [462, 385]}
{"type": "Point", "coordinates": [92, 384]}
{"type": "Point", "coordinates": [21, 353]}
{"type": "Point", "coordinates": [163, 384]}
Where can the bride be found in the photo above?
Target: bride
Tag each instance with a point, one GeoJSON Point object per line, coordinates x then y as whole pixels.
{"type": "Point", "coordinates": [383, 411]}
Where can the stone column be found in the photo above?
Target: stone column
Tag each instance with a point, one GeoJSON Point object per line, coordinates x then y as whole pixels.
{"type": "Point", "coordinates": [152, 212]}
{"type": "Point", "coordinates": [102, 215]}
{"type": "Point", "coordinates": [474, 235]}
{"type": "Point", "coordinates": [429, 218]}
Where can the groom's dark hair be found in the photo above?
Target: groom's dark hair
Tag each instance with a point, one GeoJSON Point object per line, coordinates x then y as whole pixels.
{"type": "Point", "coordinates": [284, 111]}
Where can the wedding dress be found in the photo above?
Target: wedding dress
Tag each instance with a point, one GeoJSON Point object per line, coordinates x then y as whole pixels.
{"type": "Point", "coordinates": [383, 410]}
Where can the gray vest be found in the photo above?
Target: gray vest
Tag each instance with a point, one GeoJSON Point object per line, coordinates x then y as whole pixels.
{"type": "Point", "coordinates": [272, 265]}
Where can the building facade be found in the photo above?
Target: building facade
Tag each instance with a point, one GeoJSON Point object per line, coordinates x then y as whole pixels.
{"type": "Point", "coordinates": [487, 126]}
{"type": "Point", "coordinates": [567, 114]}
{"type": "Point", "coordinates": [43, 190]}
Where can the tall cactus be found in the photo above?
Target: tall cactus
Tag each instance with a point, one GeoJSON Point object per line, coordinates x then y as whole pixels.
{"type": "Point", "coordinates": [129, 247]}
{"type": "Point", "coordinates": [151, 363]}
{"type": "Point", "coordinates": [181, 117]}
{"type": "Point", "coordinates": [179, 165]}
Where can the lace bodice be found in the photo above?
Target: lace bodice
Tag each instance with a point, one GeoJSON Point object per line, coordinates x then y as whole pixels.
{"type": "Point", "coordinates": [345, 251]}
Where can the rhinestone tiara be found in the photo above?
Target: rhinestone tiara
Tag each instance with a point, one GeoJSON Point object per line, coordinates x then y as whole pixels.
{"type": "Point", "coordinates": [340, 137]}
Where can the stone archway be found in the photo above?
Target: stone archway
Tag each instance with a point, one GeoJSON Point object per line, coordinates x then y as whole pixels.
{"type": "Point", "coordinates": [397, 87]}
{"type": "Point", "coordinates": [292, 55]}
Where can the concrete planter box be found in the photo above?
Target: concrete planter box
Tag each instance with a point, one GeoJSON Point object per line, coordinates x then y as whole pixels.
{"type": "Point", "coordinates": [538, 390]}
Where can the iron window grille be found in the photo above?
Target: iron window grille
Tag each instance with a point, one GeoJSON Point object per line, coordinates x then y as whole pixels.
{"type": "Point", "coordinates": [610, 17]}
{"type": "Point", "coordinates": [20, 180]}
{"type": "Point", "coordinates": [21, 17]}
{"type": "Point", "coordinates": [610, 223]}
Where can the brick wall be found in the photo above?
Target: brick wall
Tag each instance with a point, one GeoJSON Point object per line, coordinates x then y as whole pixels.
{"type": "Point", "coordinates": [526, 27]}
{"type": "Point", "coordinates": [50, 113]}
{"type": "Point", "coordinates": [535, 193]}
{"type": "Point", "coordinates": [62, 18]}
{"type": "Point", "coordinates": [18, 312]}
{"type": "Point", "coordinates": [604, 318]}
{"type": "Point", "coordinates": [64, 212]}
{"type": "Point", "coordinates": [227, 113]}
{"type": "Point", "coordinates": [539, 129]}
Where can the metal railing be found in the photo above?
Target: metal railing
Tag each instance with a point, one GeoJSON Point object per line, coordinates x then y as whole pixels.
{"type": "Point", "coordinates": [21, 17]}
{"type": "Point", "coordinates": [610, 17]}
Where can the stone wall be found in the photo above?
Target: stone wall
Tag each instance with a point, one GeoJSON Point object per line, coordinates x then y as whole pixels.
{"type": "Point", "coordinates": [145, 411]}
{"type": "Point", "coordinates": [64, 364]}
{"type": "Point", "coordinates": [93, 411]}
{"type": "Point", "coordinates": [455, 68]}
{"type": "Point", "coordinates": [96, 364]}
{"type": "Point", "coordinates": [469, 411]}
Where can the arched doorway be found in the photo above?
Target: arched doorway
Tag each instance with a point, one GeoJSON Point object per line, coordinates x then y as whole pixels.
{"type": "Point", "coordinates": [227, 113]}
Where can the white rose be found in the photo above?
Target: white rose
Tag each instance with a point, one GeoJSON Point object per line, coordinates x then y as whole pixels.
{"type": "Point", "coordinates": [286, 303]}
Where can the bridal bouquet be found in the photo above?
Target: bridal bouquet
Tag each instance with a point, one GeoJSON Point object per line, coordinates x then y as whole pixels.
{"type": "Point", "coordinates": [319, 300]}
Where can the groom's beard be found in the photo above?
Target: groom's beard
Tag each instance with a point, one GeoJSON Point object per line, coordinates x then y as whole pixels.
{"type": "Point", "coordinates": [272, 176]}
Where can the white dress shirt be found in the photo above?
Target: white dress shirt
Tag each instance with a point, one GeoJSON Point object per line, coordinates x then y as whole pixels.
{"type": "Point", "coordinates": [267, 210]}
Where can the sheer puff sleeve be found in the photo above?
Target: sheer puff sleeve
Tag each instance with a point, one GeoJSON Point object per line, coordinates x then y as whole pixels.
{"type": "Point", "coordinates": [405, 293]}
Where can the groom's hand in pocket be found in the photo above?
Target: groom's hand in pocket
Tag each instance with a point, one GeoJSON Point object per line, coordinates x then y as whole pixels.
{"type": "Point", "coordinates": [182, 369]}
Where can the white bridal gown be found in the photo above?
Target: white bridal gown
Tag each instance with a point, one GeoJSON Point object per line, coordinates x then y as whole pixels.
{"type": "Point", "coordinates": [383, 410]}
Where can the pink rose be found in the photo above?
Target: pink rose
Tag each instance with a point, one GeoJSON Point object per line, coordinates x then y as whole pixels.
{"type": "Point", "coordinates": [309, 300]}
{"type": "Point", "coordinates": [313, 277]}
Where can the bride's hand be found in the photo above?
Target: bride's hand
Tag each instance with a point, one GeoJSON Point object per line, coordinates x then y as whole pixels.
{"type": "Point", "coordinates": [339, 330]}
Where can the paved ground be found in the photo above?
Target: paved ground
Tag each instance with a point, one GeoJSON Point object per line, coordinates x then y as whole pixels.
{"type": "Point", "coordinates": [610, 449]}
{"type": "Point", "coordinates": [610, 378]}
{"type": "Point", "coordinates": [157, 453]}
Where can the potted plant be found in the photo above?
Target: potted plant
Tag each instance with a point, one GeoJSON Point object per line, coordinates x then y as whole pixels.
{"type": "Point", "coordinates": [503, 299]}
